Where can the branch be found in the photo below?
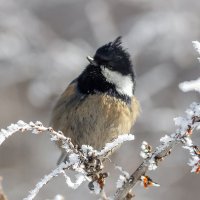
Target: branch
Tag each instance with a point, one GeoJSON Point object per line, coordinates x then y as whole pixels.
{"type": "Point", "coordinates": [151, 160]}
{"type": "Point", "coordinates": [47, 178]}
{"type": "Point", "coordinates": [84, 160]}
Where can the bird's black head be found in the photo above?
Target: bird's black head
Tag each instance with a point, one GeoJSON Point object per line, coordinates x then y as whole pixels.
{"type": "Point", "coordinates": [114, 57]}
{"type": "Point", "coordinates": [110, 72]}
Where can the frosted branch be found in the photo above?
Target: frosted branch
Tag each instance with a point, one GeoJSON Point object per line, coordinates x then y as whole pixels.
{"type": "Point", "coordinates": [117, 142]}
{"type": "Point", "coordinates": [87, 161]}
{"type": "Point", "coordinates": [36, 128]}
{"type": "Point", "coordinates": [193, 85]}
{"type": "Point", "coordinates": [45, 180]}
{"type": "Point", "coordinates": [186, 125]}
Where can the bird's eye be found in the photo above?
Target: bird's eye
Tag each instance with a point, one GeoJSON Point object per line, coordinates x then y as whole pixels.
{"type": "Point", "coordinates": [111, 65]}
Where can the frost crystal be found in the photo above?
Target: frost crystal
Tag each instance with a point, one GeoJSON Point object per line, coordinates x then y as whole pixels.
{"type": "Point", "coordinates": [13, 128]}
{"type": "Point", "coordinates": [152, 164]}
{"type": "Point", "coordinates": [87, 150]}
{"type": "Point", "coordinates": [144, 144]}
{"type": "Point", "coordinates": [74, 158]}
{"type": "Point", "coordinates": [188, 141]}
{"type": "Point", "coordinates": [166, 139]}
{"type": "Point", "coordinates": [97, 188]}
{"type": "Point", "coordinates": [122, 178]}
{"type": "Point", "coordinates": [196, 45]}
{"type": "Point", "coordinates": [182, 123]}
{"type": "Point", "coordinates": [145, 150]}
{"type": "Point", "coordinates": [110, 146]}
{"type": "Point", "coordinates": [143, 155]}
{"type": "Point", "coordinates": [193, 85]}
{"type": "Point", "coordinates": [120, 181]}
{"type": "Point", "coordinates": [125, 174]}
{"type": "Point", "coordinates": [80, 178]}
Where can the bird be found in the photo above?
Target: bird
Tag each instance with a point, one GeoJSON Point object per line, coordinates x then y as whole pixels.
{"type": "Point", "coordinates": [100, 104]}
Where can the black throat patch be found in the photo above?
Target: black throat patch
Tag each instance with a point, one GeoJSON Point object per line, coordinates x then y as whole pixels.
{"type": "Point", "coordinates": [91, 81]}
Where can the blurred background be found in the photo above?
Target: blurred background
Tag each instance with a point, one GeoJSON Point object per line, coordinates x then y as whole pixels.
{"type": "Point", "coordinates": [43, 46]}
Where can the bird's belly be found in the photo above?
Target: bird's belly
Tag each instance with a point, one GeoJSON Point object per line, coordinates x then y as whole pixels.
{"type": "Point", "coordinates": [98, 120]}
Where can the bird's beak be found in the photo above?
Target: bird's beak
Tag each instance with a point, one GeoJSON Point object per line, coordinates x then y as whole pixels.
{"type": "Point", "coordinates": [91, 61]}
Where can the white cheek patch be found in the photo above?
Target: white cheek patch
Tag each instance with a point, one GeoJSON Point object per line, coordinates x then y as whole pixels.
{"type": "Point", "coordinates": [124, 84]}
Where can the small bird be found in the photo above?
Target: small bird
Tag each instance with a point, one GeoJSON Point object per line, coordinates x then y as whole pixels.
{"type": "Point", "coordinates": [99, 104]}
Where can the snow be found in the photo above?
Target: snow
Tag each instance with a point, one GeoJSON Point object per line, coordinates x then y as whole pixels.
{"type": "Point", "coordinates": [145, 150]}
{"type": "Point", "coordinates": [165, 139]}
{"type": "Point", "coordinates": [143, 155]}
{"type": "Point", "coordinates": [80, 178]}
{"type": "Point", "coordinates": [97, 188]}
{"type": "Point", "coordinates": [182, 122]}
{"type": "Point", "coordinates": [13, 128]}
{"type": "Point", "coordinates": [193, 85]}
{"type": "Point", "coordinates": [120, 181]}
{"type": "Point", "coordinates": [73, 158]}
{"type": "Point", "coordinates": [87, 150]}
{"type": "Point", "coordinates": [196, 45]}
{"type": "Point", "coordinates": [188, 141]}
{"type": "Point", "coordinates": [152, 165]}
{"type": "Point", "coordinates": [181, 134]}
{"type": "Point", "coordinates": [122, 178]}
{"type": "Point", "coordinates": [143, 146]}
{"type": "Point", "coordinates": [121, 139]}
{"type": "Point", "coordinates": [125, 173]}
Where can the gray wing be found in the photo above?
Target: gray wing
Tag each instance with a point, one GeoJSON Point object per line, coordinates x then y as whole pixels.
{"type": "Point", "coordinates": [61, 119]}
{"type": "Point", "coordinates": [65, 104]}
